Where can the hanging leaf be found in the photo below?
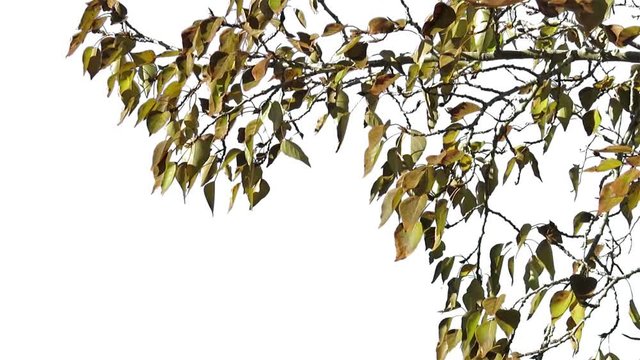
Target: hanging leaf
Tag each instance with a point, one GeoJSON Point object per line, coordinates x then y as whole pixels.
{"type": "Point", "coordinates": [508, 320]}
{"type": "Point", "coordinates": [535, 302]}
{"type": "Point", "coordinates": [559, 304]}
{"type": "Point", "coordinates": [373, 150]}
{"type": "Point", "coordinates": [443, 16]}
{"type": "Point", "coordinates": [210, 195]}
{"type": "Point", "coordinates": [292, 150]}
{"type": "Point", "coordinates": [545, 253]}
{"type": "Point", "coordinates": [633, 313]}
{"type": "Point", "coordinates": [407, 241]}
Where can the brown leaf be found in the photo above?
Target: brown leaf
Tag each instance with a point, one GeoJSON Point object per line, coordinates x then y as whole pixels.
{"type": "Point", "coordinates": [382, 83]}
{"type": "Point", "coordinates": [618, 149]}
{"type": "Point", "coordinates": [332, 29]}
{"type": "Point", "coordinates": [443, 16]}
{"type": "Point", "coordinates": [620, 35]}
{"type": "Point", "coordinates": [380, 25]}
{"type": "Point", "coordinates": [583, 286]}
{"type": "Point", "coordinates": [614, 192]}
{"type": "Point", "coordinates": [463, 109]}
{"type": "Point", "coordinates": [76, 41]}
{"type": "Point", "coordinates": [260, 69]}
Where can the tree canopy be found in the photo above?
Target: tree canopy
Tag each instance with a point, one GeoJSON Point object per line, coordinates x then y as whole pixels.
{"type": "Point", "coordinates": [456, 104]}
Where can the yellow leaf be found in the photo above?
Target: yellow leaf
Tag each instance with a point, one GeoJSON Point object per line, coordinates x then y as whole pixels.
{"type": "Point", "coordinates": [463, 109]}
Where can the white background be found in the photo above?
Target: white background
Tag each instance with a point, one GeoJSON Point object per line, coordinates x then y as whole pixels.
{"type": "Point", "coordinates": [94, 267]}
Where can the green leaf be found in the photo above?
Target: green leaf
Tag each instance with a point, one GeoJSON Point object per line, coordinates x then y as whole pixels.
{"type": "Point", "coordinates": [418, 145]}
{"type": "Point", "coordinates": [581, 218]}
{"type": "Point", "coordinates": [144, 57]}
{"type": "Point", "coordinates": [564, 110]}
{"type": "Point", "coordinates": [508, 320]}
{"type": "Point", "coordinates": [545, 253]}
{"type": "Point", "coordinates": [633, 313]}
{"type": "Point", "coordinates": [168, 176]}
{"type": "Point", "coordinates": [605, 165]}
{"type": "Point", "coordinates": [157, 120]}
{"type": "Point", "coordinates": [559, 304]}
{"type": "Point", "coordinates": [343, 123]}
{"type": "Point", "coordinates": [522, 234]}
{"type": "Point", "coordinates": [486, 336]}
{"type": "Point", "coordinates": [442, 211]}
{"type": "Point", "coordinates": [200, 151]}
{"type": "Point", "coordinates": [574, 175]}
{"type": "Point", "coordinates": [292, 150]}
{"type": "Point", "coordinates": [588, 96]}
{"type": "Point", "coordinates": [591, 121]}
{"type": "Point", "coordinates": [389, 204]}
{"type": "Point", "coordinates": [535, 303]}
{"type": "Point", "coordinates": [210, 195]}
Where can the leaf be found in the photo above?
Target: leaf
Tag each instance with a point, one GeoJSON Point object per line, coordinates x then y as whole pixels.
{"type": "Point", "coordinates": [168, 176]}
{"type": "Point", "coordinates": [373, 150]}
{"type": "Point", "coordinates": [380, 25]}
{"type": "Point", "coordinates": [418, 145]}
{"type": "Point", "coordinates": [382, 83]}
{"type": "Point", "coordinates": [588, 96]}
{"type": "Point", "coordinates": [463, 109]}
{"type": "Point", "coordinates": [407, 241]}
{"type": "Point", "coordinates": [574, 175]}
{"type": "Point", "coordinates": [443, 16]}
{"type": "Point", "coordinates": [582, 286]}
{"type": "Point", "coordinates": [581, 218]}
{"type": "Point", "coordinates": [389, 204]}
{"type": "Point", "coordinates": [76, 41]}
{"type": "Point", "coordinates": [617, 149]}
{"type": "Point", "coordinates": [210, 195]}
{"type": "Point", "coordinates": [301, 18]}
{"type": "Point", "coordinates": [620, 35]}
{"type": "Point", "coordinates": [545, 253]}
{"type": "Point", "coordinates": [143, 58]}
{"type": "Point", "coordinates": [292, 150]}
{"type": "Point", "coordinates": [564, 110]}
{"type": "Point", "coordinates": [508, 320]}
{"type": "Point", "coordinates": [442, 211]}
{"type": "Point", "coordinates": [605, 165]}
{"type": "Point", "coordinates": [614, 192]}
{"type": "Point", "coordinates": [332, 29]}
{"type": "Point", "coordinates": [535, 302]}
{"type": "Point", "coordinates": [486, 336]}
{"type": "Point", "coordinates": [559, 304]}
{"type": "Point", "coordinates": [200, 151]}
{"type": "Point", "coordinates": [260, 69]}
{"type": "Point", "coordinates": [157, 120]}
{"type": "Point", "coordinates": [343, 123]}
{"type": "Point", "coordinates": [522, 234]}
{"type": "Point", "coordinates": [493, 304]}
{"type": "Point", "coordinates": [411, 209]}
{"type": "Point", "coordinates": [633, 313]}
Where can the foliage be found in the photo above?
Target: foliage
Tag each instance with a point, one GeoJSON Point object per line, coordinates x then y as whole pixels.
{"type": "Point", "coordinates": [230, 99]}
